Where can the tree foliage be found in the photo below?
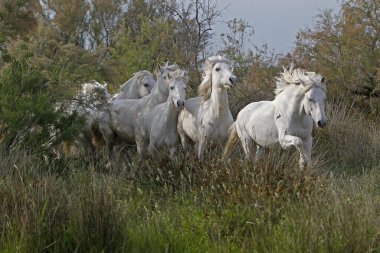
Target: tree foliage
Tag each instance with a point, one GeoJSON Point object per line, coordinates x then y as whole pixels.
{"type": "Point", "coordinates": [346, 48]}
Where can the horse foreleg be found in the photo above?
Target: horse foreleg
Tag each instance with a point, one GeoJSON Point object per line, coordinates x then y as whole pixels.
{"type": "Point", "coordinates": [172, 152]}
{"type": "Point", "coordinates": [182, 136]}
{"type": "Point", "coordinates": [142, 148]}
{"type": "Point", "coordinates": [289, 140]}
{"type": "Point", "coordinates": [307, 145]}
{"type": "Point", "coordinates": [201, 148]}
{"type": "Point", "coordinates": [260, 151]}
{"type": "Point", "coordinates": [152, 149]}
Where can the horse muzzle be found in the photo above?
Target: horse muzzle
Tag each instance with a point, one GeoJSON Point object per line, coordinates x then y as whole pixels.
{"type": "Point", "coordinates": [180, 105]}
{"type": "Point", "coordinates": [322, 123]}
{"type": "Point", "coordinates": [233, 80]}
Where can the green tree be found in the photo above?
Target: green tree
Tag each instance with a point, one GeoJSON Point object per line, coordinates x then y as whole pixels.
{"type": "Point", "coordinates": [345, 48]}
{"type": "Point", "coordinates": [18, 18]}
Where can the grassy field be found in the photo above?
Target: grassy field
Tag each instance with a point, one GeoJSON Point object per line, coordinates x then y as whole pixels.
{"type": "Point", "coordinates": [72, 205]}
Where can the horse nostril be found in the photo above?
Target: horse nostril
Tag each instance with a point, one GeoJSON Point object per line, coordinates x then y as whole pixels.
{"type": "Point", "coordinates": [233, 79]}
{"type": "Point", "coordinates": [180, 104]}
{"type": "Point", "coordinates": [322, 123]}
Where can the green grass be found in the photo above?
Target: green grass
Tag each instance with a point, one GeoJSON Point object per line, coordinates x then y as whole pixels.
{"type": "Point", "coordinates": [70, 205]}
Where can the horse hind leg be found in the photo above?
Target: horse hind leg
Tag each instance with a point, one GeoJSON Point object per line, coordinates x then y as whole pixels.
{"type": "Point", "coordinates": [248, 147]}
{"type": "Point", "coordinates": [108, 136]}
{"type": "Point", "coordinates": [231, 142]}
{"type": "Point", "coordinates": [68, 147]}
{"type": "Point", "coordinates": [97, 136]}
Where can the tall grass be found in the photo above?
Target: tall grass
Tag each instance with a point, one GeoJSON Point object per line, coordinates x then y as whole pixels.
{"type": "Point", "coordinates": [351, 142]}
{"type": "Point", "coordinates": [72, 205]}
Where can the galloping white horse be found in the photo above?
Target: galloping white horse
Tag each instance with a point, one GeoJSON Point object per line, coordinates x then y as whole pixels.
{"type": "Point", "coordinates": [206, 119]}
{"type": "Point", "coordinates": [138, 86]}
{"type": "Point", "coordinates": [121, 121]}
{"type": "Point", "coordinates": [158, 127]}
{"type": "Point", "coordinates": [288, 119]}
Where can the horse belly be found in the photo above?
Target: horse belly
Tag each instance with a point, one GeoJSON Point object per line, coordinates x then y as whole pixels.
{"type": "Point", "coordinates": [266, 136]}
{"type": "Point", "coordinates": [123, 128]}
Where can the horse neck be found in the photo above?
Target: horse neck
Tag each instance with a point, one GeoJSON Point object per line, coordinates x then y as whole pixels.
{"type": "Point", "coordinates": [171, 112]}
{"type": "Point", "coordinates": [291, 101]}
{"type": "Point", "coordinates": [129, 87]}
{"type": "Point", "coordinates": [158, 95]}
{"type": "Point", "coordinates": [219, 100]}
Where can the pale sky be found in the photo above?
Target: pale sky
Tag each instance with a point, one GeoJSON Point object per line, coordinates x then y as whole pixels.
{"type": "Point", "coordinates": [276, 22]}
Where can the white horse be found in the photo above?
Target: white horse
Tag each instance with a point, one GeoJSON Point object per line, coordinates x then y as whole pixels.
{"type": "Point", "coordinates": [288, 119]}
{"type": "Point", "coordinates": [120, 121]}
{"type": "Point", "coordinates": [91, 101]}
{"type": "Point", "coordinates": [138, 86]}
{"type": "Point", "coordinates": [158, 127]}
{"type": "Point", "coordinates": [206, 119]}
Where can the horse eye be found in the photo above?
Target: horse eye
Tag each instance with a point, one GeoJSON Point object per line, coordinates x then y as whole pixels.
{"type": "Point", "coordinates": [172, 88]}
{"type": "Point", "coordinates": [217, 69]}
{"type": "Point", "coordinates": [146, 85]}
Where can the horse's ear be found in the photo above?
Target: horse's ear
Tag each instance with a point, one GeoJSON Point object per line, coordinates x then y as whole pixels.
{"type": "Point", "coordinates": [140, 77]}
{"type": "Point", "coordinates": [170, 75]}
{"type": "Point", "coordinates": [158, 71]}
{"type": "Point", "coordinates": [208, 62]}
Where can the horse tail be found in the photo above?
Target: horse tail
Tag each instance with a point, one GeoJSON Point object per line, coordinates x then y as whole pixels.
{"type": "Point", "coordinates": [232, 140]}
{"type": "Point", "coordinates": [68, 148]}
{"type": "Point", "coordinates": [97, 136]}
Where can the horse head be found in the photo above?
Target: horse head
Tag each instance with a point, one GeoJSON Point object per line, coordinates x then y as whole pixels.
{"type": "Point", "coordinates": [217, 72]}
{"type": "Point", "coordinates": [164, 76]}
{"type": "Point", "coordinates": [145, 82]}
{"type": "Point", "coordinates": [177, 89]}
{"type": "Point", "coordinates": [315, 100]}
{"type": "Point", "coordinates": [221, 71]}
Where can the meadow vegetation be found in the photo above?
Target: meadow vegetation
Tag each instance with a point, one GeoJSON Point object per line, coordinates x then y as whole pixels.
{"type": "Point", "coordinates": [50, 203]}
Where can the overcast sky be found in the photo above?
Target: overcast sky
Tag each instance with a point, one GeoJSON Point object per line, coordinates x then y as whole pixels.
{"type": "Point", "coordinates": [276, 22]}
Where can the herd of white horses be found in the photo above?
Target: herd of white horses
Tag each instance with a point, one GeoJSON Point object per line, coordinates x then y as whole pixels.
{"type": "Point", "coordinates": [155, 114]}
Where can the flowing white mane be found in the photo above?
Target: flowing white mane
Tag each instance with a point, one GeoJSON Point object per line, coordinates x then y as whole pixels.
{"type": "Point", "coordinates": [180, 74]}
{"type": "Point", "coordinates": [90, 88]}
{"type": "Point", "coordinates": [205, 87]}
{"type": "Point", "coordinates": [93, 95]}
{"type": "Point", "coordinates": [298, 77]}
{"type": "Point", "coordinates": [166, 68]}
